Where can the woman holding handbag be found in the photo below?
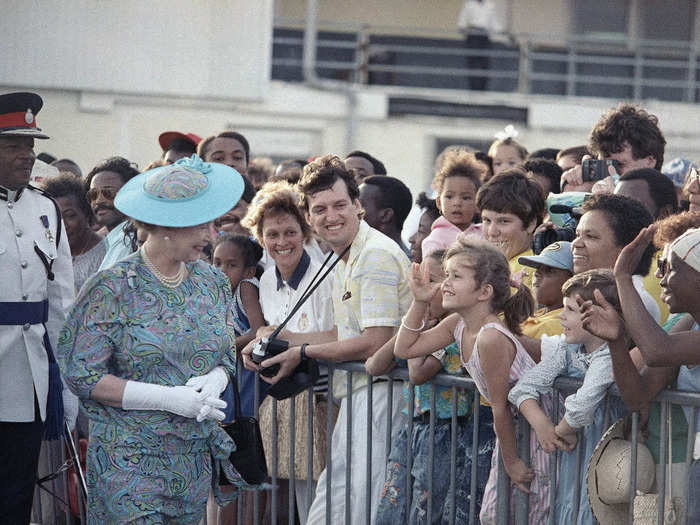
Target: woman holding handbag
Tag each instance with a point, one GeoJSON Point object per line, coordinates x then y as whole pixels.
{"type": "Point", "coordinates": [149, 347]}
{"type": "Point", "coordinates": [278, 224]}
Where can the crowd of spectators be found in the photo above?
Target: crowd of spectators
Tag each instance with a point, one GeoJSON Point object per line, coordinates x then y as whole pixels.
{"type": "Point", "coordinates": [523, 267]}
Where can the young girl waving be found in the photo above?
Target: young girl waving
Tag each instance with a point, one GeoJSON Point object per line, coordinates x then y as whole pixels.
{"type": "Point", "coordinates": [477, 288]}
{"type": "Point", "coordinates": [392, 505]}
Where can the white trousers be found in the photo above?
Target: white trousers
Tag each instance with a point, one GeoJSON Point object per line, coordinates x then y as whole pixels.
{"type": "Point", "coordinates": [357, 468]}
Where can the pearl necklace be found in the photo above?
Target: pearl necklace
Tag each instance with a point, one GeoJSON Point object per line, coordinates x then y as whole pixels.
{"type": "Point", "coordinates": [171, 282]}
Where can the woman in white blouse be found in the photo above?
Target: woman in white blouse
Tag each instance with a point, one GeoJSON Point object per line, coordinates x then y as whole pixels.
{"type": "Point", "coordinates": [278, 224]}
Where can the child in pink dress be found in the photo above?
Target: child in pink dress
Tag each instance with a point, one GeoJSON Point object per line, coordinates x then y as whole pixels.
{"type": "Point", "coordinates": [477, 289]}
{"type": "Point", "coordinates": [456, 184]}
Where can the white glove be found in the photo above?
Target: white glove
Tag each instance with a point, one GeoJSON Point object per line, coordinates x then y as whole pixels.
{"type": "Point", "coordinates": [71, 406]}
{"type": "Point", "coordinates": [181, 400]}
{"type": "Point", "coordinates": [211, 384]}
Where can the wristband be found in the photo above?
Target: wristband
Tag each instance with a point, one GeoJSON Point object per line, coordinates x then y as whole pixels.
{"type": "Point", "coordinates": [303, 351]}
{"type": "Point", "coordinates": [419, 329]}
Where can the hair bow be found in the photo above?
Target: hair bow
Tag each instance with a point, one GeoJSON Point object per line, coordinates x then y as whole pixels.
{"type": "Point", "coordinates": [509, 132]}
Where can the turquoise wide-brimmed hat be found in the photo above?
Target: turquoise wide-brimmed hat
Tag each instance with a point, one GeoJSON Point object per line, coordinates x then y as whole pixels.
{"type": "Point", "coordinates": [187, 193]}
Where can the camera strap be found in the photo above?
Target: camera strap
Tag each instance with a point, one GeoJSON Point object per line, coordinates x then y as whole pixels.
{"type": "Point", "coordinates": [311, 287]}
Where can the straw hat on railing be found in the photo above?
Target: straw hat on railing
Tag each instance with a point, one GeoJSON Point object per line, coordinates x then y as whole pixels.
{"type": "Point", "coordinates": [608, 478]}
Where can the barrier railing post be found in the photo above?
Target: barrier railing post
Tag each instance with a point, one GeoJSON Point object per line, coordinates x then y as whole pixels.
{"type": "Point", "coordinates": [389, 422]}
{"type": "Point", "coordinates": [502, 494]}
{"type": "Point", "coordinates": [476, 408]}
{"type": "Point", "coordinates": [431, 452]}
{"type": "Point", "coordinates": [553, 462]}
{"type": "Point", "coordinates": [275, 486]}
{"type": "Point", "coordinates": [522, 503]}
{"type": "Point", "coordinates": [663, 456]}
{"type": "Point", "coordinates": [329, 435]}
{"type": "Point", "coordinates": [579, 465]}
{"type": "Point", "coordinates": [368, 485]}
{"type": "Point", "coordinates": [689, 454]}
{"type": "Point", "coordinates": [256, 405]}
{"type": "Point", "coordinates": [633, 468]}
{"type": "Point", "coordinates": [348, 451]}
{"type": "Point", "coordinates": [310, 449]}
{"type": "Point", "coordinates": [292, 473]}
{"type": "Point", "coordinates": [409, 449]}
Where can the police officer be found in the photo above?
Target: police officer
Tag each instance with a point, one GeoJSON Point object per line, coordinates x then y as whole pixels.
{"type": "Point", "coordinates": [36, 292]}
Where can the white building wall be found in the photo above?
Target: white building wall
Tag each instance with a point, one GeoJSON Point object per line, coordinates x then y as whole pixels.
{"type": "Point", "coordinates": [295, 121]}
{"type": "Point", "coordinates": [213, 48]}
{"type": "Point", "coordinates": [116, 75]}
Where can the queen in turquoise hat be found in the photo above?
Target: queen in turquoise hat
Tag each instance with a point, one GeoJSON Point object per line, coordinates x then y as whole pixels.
{"type": "Point", "coordinates": [149, 347]}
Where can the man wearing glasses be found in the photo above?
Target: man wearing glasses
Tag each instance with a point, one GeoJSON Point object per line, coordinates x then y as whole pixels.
{"type": "Point", "coordinates": [103, 182]}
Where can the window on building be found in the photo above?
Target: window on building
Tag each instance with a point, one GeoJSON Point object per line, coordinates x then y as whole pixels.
{"type": "Point", "coordinates": [608, 19]}
{"type": "Point", "coordinates": [666, 19]}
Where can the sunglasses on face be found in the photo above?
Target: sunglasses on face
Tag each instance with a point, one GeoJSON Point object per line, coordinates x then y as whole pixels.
{"type": "Point", "coordinates": [662, 265]}
{"type": "Point", "coordinates": [108, 192]}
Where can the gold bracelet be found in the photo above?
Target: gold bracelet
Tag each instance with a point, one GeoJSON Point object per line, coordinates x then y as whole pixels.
{"type": "Point", "coordinates": [419, 329]}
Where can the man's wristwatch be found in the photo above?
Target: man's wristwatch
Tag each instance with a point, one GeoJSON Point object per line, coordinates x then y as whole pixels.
{"type": "Point", "coordinates": [303, 351]}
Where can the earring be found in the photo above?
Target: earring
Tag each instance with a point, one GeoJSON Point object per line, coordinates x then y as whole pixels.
{"type": "Point", "coordinates": [166, 238]}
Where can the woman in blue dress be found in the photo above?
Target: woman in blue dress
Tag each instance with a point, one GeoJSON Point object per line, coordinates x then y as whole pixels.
{"type": "Point", "coordinates": [149, 347]}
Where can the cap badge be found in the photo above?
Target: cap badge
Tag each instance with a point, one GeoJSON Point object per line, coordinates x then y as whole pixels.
{"type": "Point", "coordinates": [29, 116]}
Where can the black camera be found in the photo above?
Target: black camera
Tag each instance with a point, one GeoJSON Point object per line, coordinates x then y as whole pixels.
{"type": "Point", "coordinates": [593, 169]}
{"type": "Point", "coordinates": [543, 239]}
{"type": "Point", "coordinates": [266, 348]}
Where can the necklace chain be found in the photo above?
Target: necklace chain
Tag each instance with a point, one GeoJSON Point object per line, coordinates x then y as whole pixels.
{"type": "Point", "coordinates": [169, 281]}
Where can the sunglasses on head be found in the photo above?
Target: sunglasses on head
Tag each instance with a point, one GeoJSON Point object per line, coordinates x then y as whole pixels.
{"type": "Point", "coordinates": [108, 192]}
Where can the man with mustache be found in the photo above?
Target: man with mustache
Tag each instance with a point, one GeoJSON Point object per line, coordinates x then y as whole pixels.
{"type": "Point", "coordinates": [36, 293]}
{"type": "Point", "coordinates": [103, 183]}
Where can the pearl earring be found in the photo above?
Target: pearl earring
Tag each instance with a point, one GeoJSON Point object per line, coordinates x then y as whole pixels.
{"type": "Point", "coordinates": [166, 238]}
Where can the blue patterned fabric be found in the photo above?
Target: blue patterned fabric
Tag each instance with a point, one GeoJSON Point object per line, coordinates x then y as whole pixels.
{"type": "Point", "coordinates": [392, 508]}
{"type": "Point", "coordinates": [451, 364]}
{"type": "Point", "coordinates": [151, 466]}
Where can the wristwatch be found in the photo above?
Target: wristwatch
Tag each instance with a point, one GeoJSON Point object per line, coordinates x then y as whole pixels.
{"type": "Point", "coordinates": [303, 351]}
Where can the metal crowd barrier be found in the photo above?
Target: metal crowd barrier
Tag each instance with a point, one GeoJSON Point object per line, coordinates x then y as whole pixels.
{"type": "Point", "coordinates": [562, 386]}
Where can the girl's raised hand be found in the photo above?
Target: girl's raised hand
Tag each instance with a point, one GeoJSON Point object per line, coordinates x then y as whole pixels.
{"type": "Point", "coordinates": [631, 254]}
{"type": "Point", "coordinates": [600, 318]}
{"type": "Point", "coordinates": [419, 282]}
{"type": "Point", "coordinates": [520, 474]}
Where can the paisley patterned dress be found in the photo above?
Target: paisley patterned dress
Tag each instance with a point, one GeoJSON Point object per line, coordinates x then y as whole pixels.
{"type": "Point", "coordinates": [150, 466]}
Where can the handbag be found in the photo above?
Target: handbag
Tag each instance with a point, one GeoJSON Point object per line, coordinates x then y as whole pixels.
{"type": "Point", "coordinates": [646, 505]}
{"type": "Point", "coordinates": [320, 409]}
{"type": "Point", "coordinates": [249, 457]}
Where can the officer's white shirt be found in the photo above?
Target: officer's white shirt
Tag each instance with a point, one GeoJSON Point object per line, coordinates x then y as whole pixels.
{"type": "Point", "coordinates": [23, 361]}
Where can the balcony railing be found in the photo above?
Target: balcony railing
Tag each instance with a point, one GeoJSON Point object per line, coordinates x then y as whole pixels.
{"type": "Point", "coordinates": [526, 63]}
